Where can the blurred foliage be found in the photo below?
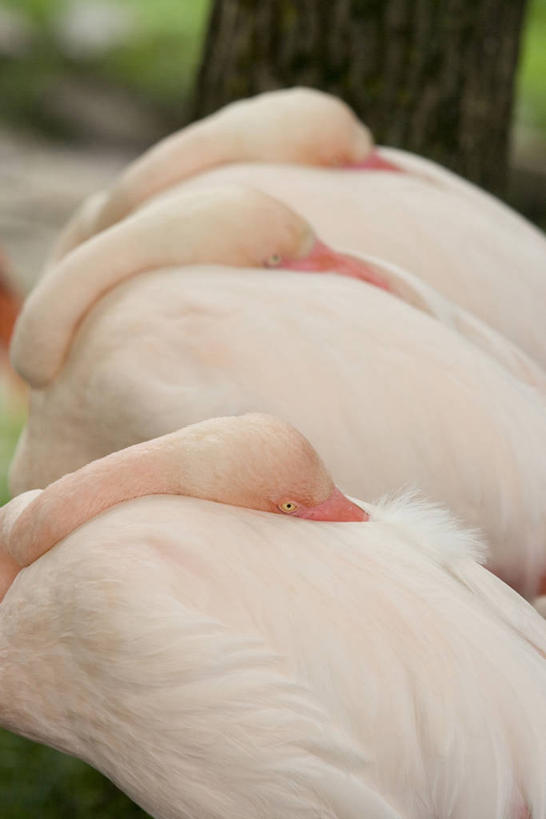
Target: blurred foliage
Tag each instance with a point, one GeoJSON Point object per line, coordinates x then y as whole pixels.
{"type": "Point", "coordinates": [531, 105]}
{"type": "Point", "coordinates": [11, 422]}
{"type": "Point", "coordinates": [41, 783]}
{"type": "Point", "coordinates": [161, 61]}
{"type": "Point", "coordinates": [155, 62]}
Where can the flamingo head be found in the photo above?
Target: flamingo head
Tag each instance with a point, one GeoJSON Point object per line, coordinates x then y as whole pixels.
{"type": "Point", "coordinates": [303, 126]}
{"type": "Point", "coordinates": [297, 125]}
{"type": "Point", "coordinates": [243, 227]}
{"type": "Point", "coordinates": [263, 463]}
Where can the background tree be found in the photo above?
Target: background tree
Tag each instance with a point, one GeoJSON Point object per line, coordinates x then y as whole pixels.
{"type": "Point", "coordinates": [432, 76]}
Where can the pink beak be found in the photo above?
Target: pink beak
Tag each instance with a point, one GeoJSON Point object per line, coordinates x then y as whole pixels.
{"type": "Point", "coordinates": [337, 507]}
{"type": "Point", "coordinates": [323, 258]}
{"type": "Point", "coordinates": [375, 162]}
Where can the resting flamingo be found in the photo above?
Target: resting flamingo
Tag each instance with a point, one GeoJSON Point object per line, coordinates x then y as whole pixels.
{"type": "Point", "coordinates": [407, 210]}
{"type": "Point", "coordinates": [220, 661]}
{"type": "Point", "coordinates": [230, 225]}
{"type": "Point", "coordinates": [280, 473]}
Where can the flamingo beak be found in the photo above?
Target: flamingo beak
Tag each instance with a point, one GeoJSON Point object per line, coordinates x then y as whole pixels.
{"type": "Point", "coordinates": [374, 162]}
{"type": "Point", "coordinates": [323, 258]}
{"type": "Point", "coordinates": [336, 508]}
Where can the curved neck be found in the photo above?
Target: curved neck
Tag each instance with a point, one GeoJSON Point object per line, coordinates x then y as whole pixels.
{"type": "Point", "coordinates": [157, 467]}
{"type": "Point", "coordinates": [153, 239]}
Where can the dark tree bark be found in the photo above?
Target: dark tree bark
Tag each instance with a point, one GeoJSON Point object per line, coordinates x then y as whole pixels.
{"type": "Point", "coordinates": [433, 76]}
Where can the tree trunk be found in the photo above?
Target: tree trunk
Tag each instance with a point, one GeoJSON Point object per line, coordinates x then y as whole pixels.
{"type": "Point", "coordinates": [432, 76]}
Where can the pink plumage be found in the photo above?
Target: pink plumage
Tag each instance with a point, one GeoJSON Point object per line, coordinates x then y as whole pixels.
{"type": "Point", "coordinates": [224, 662]}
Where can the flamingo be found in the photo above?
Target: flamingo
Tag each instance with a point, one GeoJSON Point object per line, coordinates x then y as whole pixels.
{"type": "Point", "coordinates": [230, 225]}
{"type": "Point", "coordinates": [197, 461]}
{"type": "Point", "coordinates": [221, 661]}
{"type": "Point", "coordinates": [367, 377]}
{"type": "Point", "coordinates": [385, 202]}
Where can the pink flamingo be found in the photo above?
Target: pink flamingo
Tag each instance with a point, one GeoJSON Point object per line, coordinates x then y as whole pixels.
{"type": "Point", "coordinates": [233, 226]}
{"type": "Point", "coordinates": [221, 661]}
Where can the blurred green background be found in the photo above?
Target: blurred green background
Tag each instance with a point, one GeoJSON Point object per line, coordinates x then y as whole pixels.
{"type": "Point", "coordinates": [144, 53]}
{"type": "Point", "coordinates": [531, 99]}
{"type": "Point", "coordinates": [115, 76]}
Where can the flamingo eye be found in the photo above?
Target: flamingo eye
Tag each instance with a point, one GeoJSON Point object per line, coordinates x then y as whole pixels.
{"type": "Point", "coordinates": [273, 261]}
{"type": "Point", "coordinates": [288, 508]}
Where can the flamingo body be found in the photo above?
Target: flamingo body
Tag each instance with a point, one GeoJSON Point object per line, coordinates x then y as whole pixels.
{"type": "Point", "coordinates": [194, 633]}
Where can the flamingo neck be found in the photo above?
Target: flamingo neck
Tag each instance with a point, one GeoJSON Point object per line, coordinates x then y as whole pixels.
{"type": "Point", "coordinates": [75, 498]}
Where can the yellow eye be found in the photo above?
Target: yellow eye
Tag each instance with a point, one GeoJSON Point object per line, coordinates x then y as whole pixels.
{"type": "Point", "coordinates": [289, 507]}
{"type": "Point", "coordinates": [274, 260]}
